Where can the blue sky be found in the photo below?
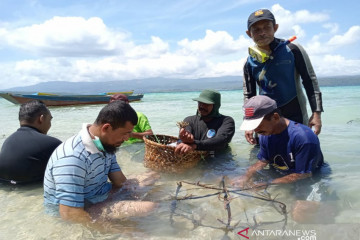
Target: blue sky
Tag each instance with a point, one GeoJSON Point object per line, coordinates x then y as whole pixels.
{"type": "Point", "coordinates": [110, 40]}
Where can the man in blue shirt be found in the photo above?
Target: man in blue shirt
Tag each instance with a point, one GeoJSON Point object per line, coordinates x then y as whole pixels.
{"type": "Point", "coordinates": [77, 173]}
{"type": "Point", "coordinates": [290, 148]}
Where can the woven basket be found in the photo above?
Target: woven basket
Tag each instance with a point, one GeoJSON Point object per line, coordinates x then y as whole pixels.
{"type": "Point", "coordinates": [160, 157]}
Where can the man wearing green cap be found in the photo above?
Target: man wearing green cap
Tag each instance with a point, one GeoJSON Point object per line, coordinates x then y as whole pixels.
{"type": "Point", "coordinates": [207, 130]}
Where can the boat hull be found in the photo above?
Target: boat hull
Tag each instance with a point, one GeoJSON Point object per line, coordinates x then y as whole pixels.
{"type": "Point", "coordinates": [64, 100]}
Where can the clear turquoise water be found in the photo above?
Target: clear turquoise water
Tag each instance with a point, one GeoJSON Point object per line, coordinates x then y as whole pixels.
{"type": "Point", "coordinates": [21, 209]}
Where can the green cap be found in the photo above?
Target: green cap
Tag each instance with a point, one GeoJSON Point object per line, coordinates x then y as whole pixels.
{"type": "Point", "coordinates": [209, 97]}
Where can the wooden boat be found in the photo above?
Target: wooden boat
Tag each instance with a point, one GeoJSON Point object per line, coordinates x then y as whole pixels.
{"type": "Point", "coordinates": [64, 100]}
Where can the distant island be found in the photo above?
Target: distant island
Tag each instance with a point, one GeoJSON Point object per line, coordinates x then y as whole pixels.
{"type": "Point", "coordinates": [160, 85]}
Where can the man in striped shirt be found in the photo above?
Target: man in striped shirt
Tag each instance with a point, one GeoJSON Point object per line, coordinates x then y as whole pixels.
{"type": "Point", "coordinates": [78, 171]}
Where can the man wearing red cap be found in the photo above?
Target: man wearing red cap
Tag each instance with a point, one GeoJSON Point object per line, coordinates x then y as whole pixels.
{"type": "Point", "coordinates": [276, 66]}
{"type": "Point", "coordinates": [291, 149]}
{"type": "Point", "coordinates": [142, 128]}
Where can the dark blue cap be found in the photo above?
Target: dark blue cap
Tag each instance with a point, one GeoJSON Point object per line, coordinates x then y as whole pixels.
{"type": "Point", "coordinates": [261, 14]}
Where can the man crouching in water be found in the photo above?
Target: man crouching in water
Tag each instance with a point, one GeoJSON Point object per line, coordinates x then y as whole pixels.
{"type": "Point", "coordinates": [78, 171]}
{"type": "Point", "coordinates": [293, 152]}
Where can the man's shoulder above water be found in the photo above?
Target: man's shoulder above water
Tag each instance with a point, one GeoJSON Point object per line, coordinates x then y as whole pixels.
{"type": "Point", "coordinates": [30, 135]}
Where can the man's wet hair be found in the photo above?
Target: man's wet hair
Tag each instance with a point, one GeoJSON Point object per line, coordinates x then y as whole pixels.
{"type": "Point", "coordinates": [117, 113]}
{"type": "Point", "coordinates": [30, 111]}
{"type": "Point", "coordinates": [269, 115]}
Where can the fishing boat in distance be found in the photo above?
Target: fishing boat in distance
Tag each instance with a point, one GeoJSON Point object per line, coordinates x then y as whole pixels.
{"type": "Point", "coordinates": [52, 99]}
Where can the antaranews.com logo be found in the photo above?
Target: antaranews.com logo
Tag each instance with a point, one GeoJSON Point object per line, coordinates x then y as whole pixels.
{"type": "Point", "coordinates": [297, 234]}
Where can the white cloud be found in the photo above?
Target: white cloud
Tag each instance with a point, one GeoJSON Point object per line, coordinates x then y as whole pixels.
{"type": "Point", "coordinates": [79, 49]}
{"type": "Point", "coordinates": [299, 32]}
{"type": "Point", "coordinates": [301, 16]}
{"type": "Point", "coordinates": [154, 49]}
{"type": "Point", "coordinates": [316, 47]}
{"type": "Point", "coordinates": [333, 27]}
{"type": "Point", "coordinates": [215, 43]}
{"type": "Point", "coordinates": [350, 37]}
{"type": "Point", "coordinates": [335, 65]}
{"type": "Point", "coordinates": [304, 16]}
{"type": "Point", "coordinates": [3, 33]}
{"type": "Point", "coordinates": [290, 22]}
{"type": "Point", "coordinates": [169, 65]}
{"type": "Point", "coordinates": [68, 36]}
{"type": "Point", "coordinates": [48, 69]}
{"type": "Point", "coordinates": [232, 68]}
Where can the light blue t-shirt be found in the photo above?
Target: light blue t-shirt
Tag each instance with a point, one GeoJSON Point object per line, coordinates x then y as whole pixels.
{"type": "Point", "coordinates": [77, 172]}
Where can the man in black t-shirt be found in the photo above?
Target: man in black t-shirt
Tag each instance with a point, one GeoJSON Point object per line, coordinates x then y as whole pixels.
{"type": "Point", "coordinates": [207, 130]}
{"type": "Point", "coordinates": [25, 153]}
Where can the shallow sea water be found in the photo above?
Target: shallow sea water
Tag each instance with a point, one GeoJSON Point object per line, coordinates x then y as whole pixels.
{"type": "Point", "coordinates": [22, 212]}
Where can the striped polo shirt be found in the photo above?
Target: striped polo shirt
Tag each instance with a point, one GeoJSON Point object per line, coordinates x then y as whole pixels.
{"type": "Point", "coordinates": [77, 172]}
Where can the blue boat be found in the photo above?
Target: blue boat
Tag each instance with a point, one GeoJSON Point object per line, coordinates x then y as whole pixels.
{"type": "Point", "coordinates": [69, 99]}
